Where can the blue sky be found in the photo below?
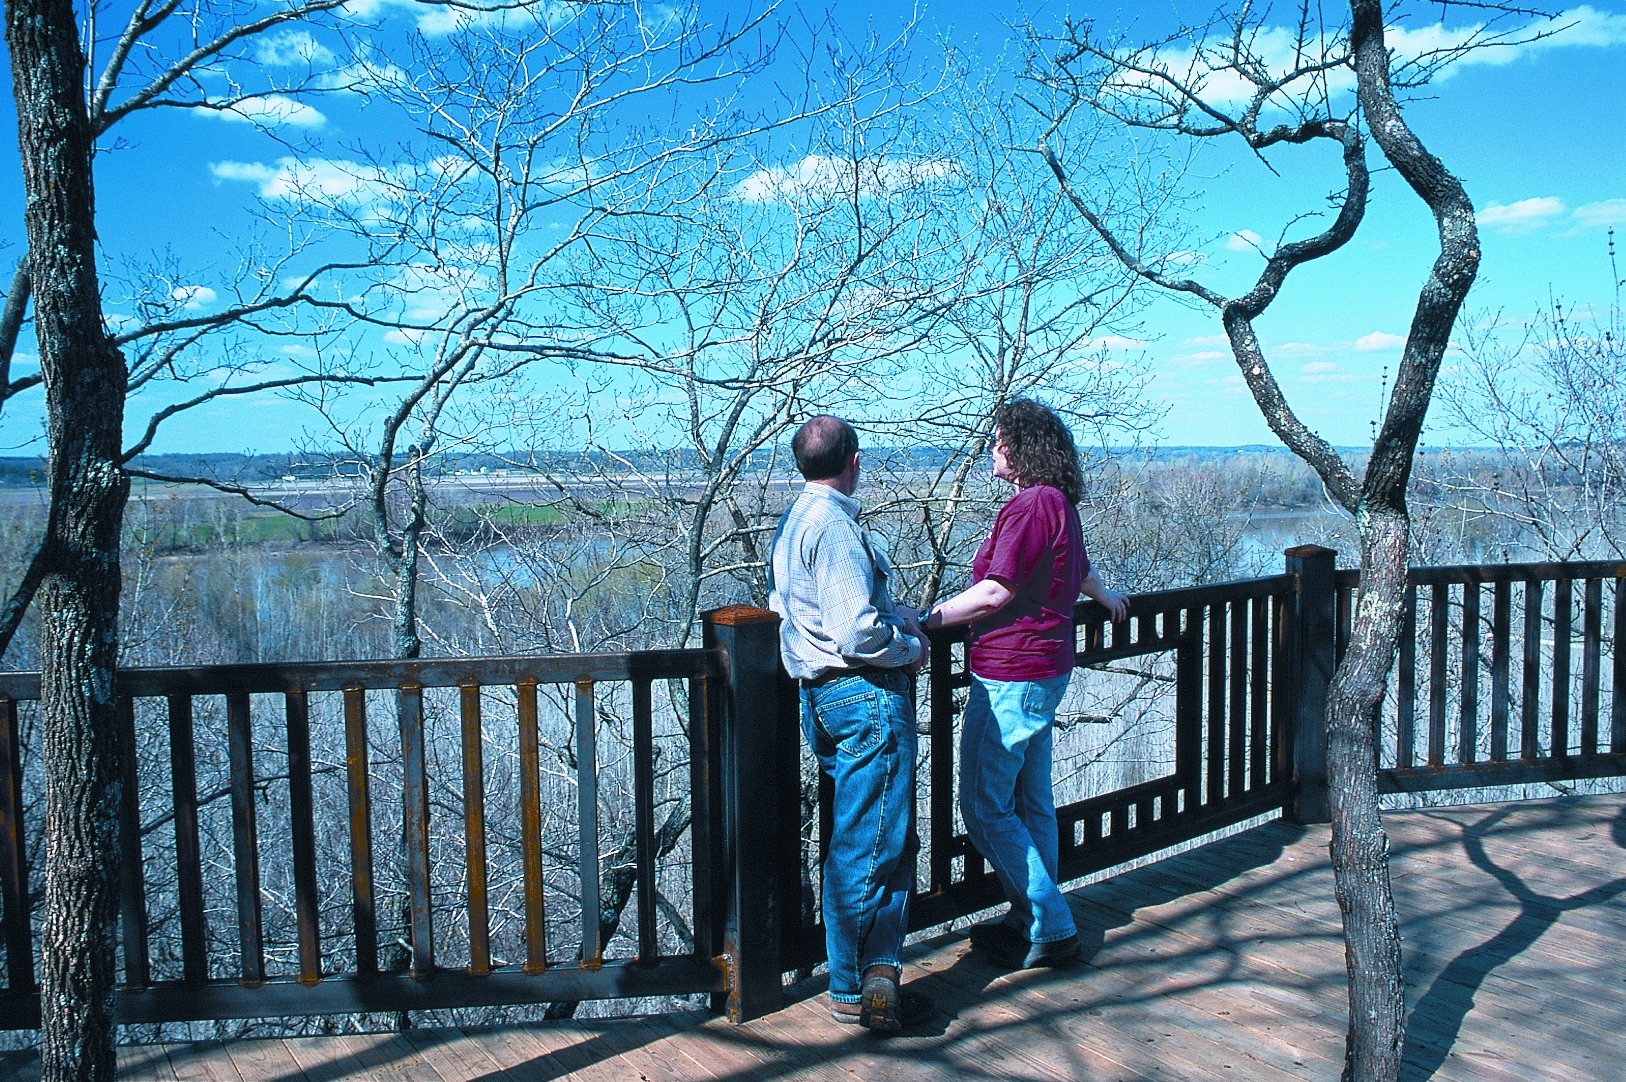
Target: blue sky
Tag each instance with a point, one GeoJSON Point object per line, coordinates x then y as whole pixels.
{"type": "Point", "coordinates": [1528, 129]}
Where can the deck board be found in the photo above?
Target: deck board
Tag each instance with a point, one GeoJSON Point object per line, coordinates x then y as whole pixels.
{"type": "Point", "coordinates": [1223, 963]}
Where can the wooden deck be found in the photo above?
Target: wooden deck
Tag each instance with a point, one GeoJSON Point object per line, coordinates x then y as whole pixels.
{"type": "Point", "coordinates": [1223, 963]}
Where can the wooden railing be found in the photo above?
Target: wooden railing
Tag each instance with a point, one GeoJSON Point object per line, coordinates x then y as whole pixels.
{"type": "Point", "coordinates": [1502, 699]}
{"type": "Point", "coordinates": [217, 980]}
{"type": "Point", "coordinates": [1249, 665]}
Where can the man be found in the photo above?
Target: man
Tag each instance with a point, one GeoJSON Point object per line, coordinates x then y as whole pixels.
{"type": "Point", "coordinates": [852, 650]}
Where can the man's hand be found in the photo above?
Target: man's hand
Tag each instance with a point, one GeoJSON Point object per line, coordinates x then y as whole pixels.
{"type": "Point", "coordinates": [925, 651]}
{"type": "Point", "coordinates": [909, 617]}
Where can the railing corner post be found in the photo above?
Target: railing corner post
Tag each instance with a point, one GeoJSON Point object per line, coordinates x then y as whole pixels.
{"type": "Point", "coordinates": [748, 879]}
{"type": "Point", "coordinates": [1312, 648]}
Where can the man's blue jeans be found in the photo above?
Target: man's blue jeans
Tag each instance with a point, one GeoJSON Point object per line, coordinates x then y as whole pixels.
{"type": "Point", "coordinates": [1006, 798]}
{"type": "Point", "coordinates": [863, 733]}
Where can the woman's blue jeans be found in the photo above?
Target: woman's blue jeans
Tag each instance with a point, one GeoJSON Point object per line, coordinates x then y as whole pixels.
{"type": "Point", "coordinates": [863, 732]}
{"type": "Point", "coordinates": [1006, 798]}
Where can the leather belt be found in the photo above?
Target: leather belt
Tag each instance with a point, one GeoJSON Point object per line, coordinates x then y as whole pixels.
{"type": "Point", "coordinates": [830, 675]}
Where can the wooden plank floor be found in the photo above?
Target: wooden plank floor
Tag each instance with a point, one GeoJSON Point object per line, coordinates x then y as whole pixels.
{"type": "Point", "coordinates": [1223, 963]}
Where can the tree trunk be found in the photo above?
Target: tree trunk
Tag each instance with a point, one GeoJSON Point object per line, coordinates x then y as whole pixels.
{"type": "Point", "coordinates": [1360, 848]}
{"type": "Point", "coordinates": [85, 382]}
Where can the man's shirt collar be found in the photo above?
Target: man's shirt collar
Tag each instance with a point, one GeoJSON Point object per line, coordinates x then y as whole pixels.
{"type": "Point", "coordinates": [842, 500]}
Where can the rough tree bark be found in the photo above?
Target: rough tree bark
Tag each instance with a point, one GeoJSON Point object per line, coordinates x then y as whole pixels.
{"type": "Point", "coordinates": [85, 379]}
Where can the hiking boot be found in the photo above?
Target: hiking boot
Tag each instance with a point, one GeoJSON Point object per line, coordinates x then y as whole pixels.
{"type": "Point", "coordinates": [913, 1007]}
{"type": "Point", "coordinates": [883, 1007]}
{"type": "Point", "coordinates": [1011, 949]}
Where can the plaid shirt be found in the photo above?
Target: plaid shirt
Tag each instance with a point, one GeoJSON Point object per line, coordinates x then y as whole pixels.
{"type": "Point", "coordinates": [829, 587]}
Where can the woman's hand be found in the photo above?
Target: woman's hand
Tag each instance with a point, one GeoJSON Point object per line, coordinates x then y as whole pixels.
{"type": "Point", "coordinates": [1116, 604]}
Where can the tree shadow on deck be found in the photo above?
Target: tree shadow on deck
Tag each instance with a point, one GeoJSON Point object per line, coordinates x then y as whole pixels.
{"type": "Point", "coordinates": [1444, 1006]}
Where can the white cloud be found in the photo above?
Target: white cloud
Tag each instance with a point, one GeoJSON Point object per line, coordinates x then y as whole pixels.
{"type": "Point", "coordinates": [1280, 49]}
{"type": "Point", "coordinates": [1208, 355]}
{"type": "Point", "coordinates": [273, 111]}
{"type": "Point", "coordinates": [292, 47]}
{"type": "Point", "coordinates": [1599, 215]}
{"type": "Point", "coordinates": [1317, 368]}
{"type": "Point", "coordinates": [1245, 240]}
{"type": "Point", "coordinates": [399, 337]}
{"type": "Point", "coordinates": [1377, 340]}
{"type": "Point", "coordinates": [1114, 341]}
{"type": "Point", "coordinates": [819, 177]}
{"type": "Point", "coordinates": [255, 172]}
{"type": "Point", "coordinates": [317, 180]}
{"type": "Point", "coordinates": [367, 73]}
{"type": "Point", "coordinates": [1524, 216]}
{"type": "Point", "coordinates": [193, 298]}
{"type": "Point", "coordinates": [1207, 340]}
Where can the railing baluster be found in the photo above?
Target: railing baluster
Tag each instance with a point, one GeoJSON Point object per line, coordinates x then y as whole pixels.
{"type": "Point", "coordinates": [183, 781]}
{"type": "Point", "coordinates": [363, 901]}
{"type": "Point", "coordinates": [940, 680]}
{"type": "Point", "coordinates": [302, 816]}
{"type": "Point", "coordinates": [245, 839]}
{"type": "Point", "coordinates": [1561, 667]}
{"type": "Point", "coordinates": [474, 827]}
{"type": "Point", "coordinates": [1439, 620]}
{"type": "Point", "coordinates": [1530, 704]}
{"type": "Point", "coordinates": [1239, 703]}
{"type": "Point", "coordinates": [132, 876]}
{"type": "Point", "coordinates": [1406, 684]}
{"type": "Point", "coordinates": [1281, 703]}
{"type": "Point", "coordinates": [1617, 697]}
{"type": "Point", "coordinates": [705, 776]}
{"type": "Point", "coordinates": [1259, 698]}
{"type": "Point", "coordinates": [1216, 708]}
{"type": "Point", "coordinates": [1501, 618]}
{"type": "Point", "coordinates": [1188, 710]}
{"type": "Point", "coordinates": [587, 821]}
{"type": "Point", "coordinates": [415, 801]}
{"type": "Point", "coordinates": [530, 818]}
{"type": "Point", "coordinates": [1468, 723]}
{"type": "Point", "coordinates": [643, 799]}
{"type": "Point", "coordinates": [13, 859]}
{"type": "Point", "coordinates": [1591, 665]}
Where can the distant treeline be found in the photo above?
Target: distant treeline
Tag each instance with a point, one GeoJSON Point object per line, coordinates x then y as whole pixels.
{"type": "Point", "coordinates": [24, 471]}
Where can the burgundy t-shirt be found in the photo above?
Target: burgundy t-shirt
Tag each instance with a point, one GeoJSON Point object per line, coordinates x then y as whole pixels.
{"type": "Point", "coordinates": [1037, 545]}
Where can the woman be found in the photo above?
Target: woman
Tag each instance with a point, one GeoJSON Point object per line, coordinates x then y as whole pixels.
{"type": "Point", "coordinates": [1024, 582]}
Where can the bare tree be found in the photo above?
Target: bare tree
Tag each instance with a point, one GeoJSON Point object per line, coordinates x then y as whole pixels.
{"type": "Point", "coordinates": [65, 103]}
{"type": "Point", "coordinates": [1297, 98]}
{"type": "Point", "coordinates": [1038, 304]}
{"type": "Point", "coordinates": [1553, 481]}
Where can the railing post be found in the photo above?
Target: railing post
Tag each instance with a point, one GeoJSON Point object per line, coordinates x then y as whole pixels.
{"type": "Point", "coordinates": [748, 881]}
{"type": "Point", "coordinates": [1311, 646]}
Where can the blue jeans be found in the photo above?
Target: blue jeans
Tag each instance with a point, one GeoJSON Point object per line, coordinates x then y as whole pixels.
{"type": "Point", "coordinates": [1006, 798]}
{"type": "Point", "coordinates": [863, 733]}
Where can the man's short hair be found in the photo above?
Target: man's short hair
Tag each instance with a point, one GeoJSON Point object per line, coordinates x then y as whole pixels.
{"type": "Point", "coordinates": [823, 447]}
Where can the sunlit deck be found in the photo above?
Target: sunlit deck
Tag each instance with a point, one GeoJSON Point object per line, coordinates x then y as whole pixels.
{"type": "Point", "coordinates": [1225, 962]}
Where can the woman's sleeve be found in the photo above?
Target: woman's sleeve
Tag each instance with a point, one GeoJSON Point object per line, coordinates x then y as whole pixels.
{"type": "Point", "coordinates": [1020, 542]}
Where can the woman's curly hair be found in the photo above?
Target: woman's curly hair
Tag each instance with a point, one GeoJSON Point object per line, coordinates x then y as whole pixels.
{"type": "Point", "coordinates": [1039, 447]}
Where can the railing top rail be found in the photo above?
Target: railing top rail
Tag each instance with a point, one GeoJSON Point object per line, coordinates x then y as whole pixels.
{"type": "Point", "coordinates": [1161, 601]}
{"type": "Point", "coordinates": [390, 674]}
{"type": "Point", "coordinates": [1188, 597]}
{"type": "Point", "coordinates": [1568, 569]}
